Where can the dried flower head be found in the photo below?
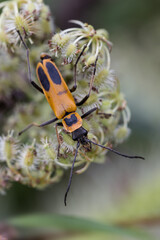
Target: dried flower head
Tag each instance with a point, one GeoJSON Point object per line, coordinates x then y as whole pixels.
{"type": "Point", "coordinates": [28, 158]}
{"type": "Point", "coordinates": [28, 17]}
{"type": "Point", "coordinates": [68, 43]}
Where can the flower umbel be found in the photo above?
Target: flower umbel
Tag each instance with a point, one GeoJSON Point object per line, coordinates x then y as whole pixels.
{"type": "Point", "coordinates": [45, 160]}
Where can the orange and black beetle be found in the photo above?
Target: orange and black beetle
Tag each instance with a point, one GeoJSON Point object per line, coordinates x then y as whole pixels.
{"type": "Point", "coordinates": [63, 104]}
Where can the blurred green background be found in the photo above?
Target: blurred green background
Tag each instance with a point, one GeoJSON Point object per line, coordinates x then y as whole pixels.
{"type": "Point", "coordinates": [119, 190]}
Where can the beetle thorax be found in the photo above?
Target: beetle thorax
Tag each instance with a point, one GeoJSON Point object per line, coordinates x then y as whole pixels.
{"type": "Point", "coordinates": [72, 121]}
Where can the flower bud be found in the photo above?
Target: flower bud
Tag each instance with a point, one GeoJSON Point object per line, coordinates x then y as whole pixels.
{"type": "Point", "coordinates": [101, 78]}
{"type": "Point", "coordinates": [103, 33]}
{"type": "Point", "coordinates": [60, 39]}
{"type": "Point", "coordinates": [49, 150]}
{"type": "Point", "coordinates": [3, 39]}
{"type": "Point", "coordinates": [121, 133]}
{"type": "Point", "coordinates": [91, 60]}
{"type": "Point", "coordinates": [67, 141]}
{"type": "Point", "coordinates": [69, 51]}
{"type": "Point", "coordinates": [28, 158]}
{"type": "Point", "coordinates": [8, 147]}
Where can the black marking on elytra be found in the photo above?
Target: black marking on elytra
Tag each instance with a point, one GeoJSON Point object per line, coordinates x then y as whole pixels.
{"type": "Point", "coordinates": [53, 73]}
{"type": "Point", "coordinates": [71, 121]}
{"type": "Point", "coordinates": [62, 92]}
{"type": "Point", "coordinates": [43, 79]}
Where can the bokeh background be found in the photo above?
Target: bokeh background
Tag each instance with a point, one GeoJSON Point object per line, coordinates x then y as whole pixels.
{"type": "Point", "coordinates": [120, 190]}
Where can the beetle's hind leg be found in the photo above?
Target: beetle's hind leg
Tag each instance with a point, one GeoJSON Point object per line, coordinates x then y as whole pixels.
{"type": "Point", "coordinates": [29, 66]}
{"type": "Point", "coordinates": [37, 125]}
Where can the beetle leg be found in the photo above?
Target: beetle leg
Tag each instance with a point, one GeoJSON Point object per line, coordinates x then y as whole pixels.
{"type": "Point", "coordinates": [90, 87]}
{"type": "Point", "coordinates": [38, 125]}
{"type": "Point", "coordinates": [75, 69]}
{"type": "Point", "coordinates": [58, 138]}
{"type": "Point", "coordinates": [89, 112]}
{"type": "Point", "coordinates": [29, 67]}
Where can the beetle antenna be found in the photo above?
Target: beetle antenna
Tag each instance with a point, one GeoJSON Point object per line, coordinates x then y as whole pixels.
{"type": "Point", "coordinates": [112, 150]}
{"type": "Point", "coordinates": [71, 174]}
